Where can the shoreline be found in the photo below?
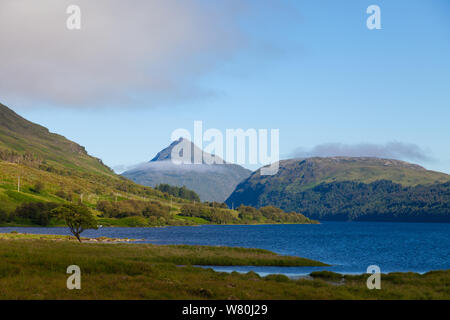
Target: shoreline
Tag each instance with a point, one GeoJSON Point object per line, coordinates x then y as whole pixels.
{"type": "Point", "coordinates": [20, 236]}
{"type": "Point", "coordinates": [193, 225]}
{"type": "Point", "coordinates": [240, 224]}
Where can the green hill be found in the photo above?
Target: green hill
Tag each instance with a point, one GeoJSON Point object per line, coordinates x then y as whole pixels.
{"type": "Point", "coordinates": [22, 141]}
{"type": "Point", "coordinates": [344, 188]}
{"type": "Point", "coordinates": [53, 168]}
{"type": "Point", "coordinates": [40, 170]}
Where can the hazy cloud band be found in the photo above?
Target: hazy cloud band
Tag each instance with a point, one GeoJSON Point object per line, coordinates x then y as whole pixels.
{"type": "Point", "coordinates": [390, 150]}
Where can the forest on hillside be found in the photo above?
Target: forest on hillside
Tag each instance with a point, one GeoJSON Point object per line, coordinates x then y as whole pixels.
{"type": "Point", "coordinates": [377, 201]}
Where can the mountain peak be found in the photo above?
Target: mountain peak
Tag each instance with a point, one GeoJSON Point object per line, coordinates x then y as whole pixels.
{"type": "Point", "coordinates": [210, 180]}
{"type": "Point", "coordinates": [185, 144]}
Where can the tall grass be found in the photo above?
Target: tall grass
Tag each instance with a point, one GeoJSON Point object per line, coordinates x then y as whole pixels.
{"type": "Point", "coordinates": [36, 269]}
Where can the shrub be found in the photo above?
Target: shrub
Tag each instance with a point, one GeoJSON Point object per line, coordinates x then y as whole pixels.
{"type": "Point", "coordinates": [130, 208]}
{"type": "Point", "coordinates": [38, 187]}
{"type": "Point", "coordinates": [214, 215]}
{"type": "Point", "coordinates": [179, 192]}
{"type": "Point", "coordinates": [277, 278]}
{"type": "Point", "coordinates": [215, 204]}
{"type": "Point", "coordinates": [329, 275]}
{"type": "Point", "coordinates": [3, 216]}
{"type": "Point", "coordinates": [64, 195]}
{"type": "Point", "coordinates": [38, 212]}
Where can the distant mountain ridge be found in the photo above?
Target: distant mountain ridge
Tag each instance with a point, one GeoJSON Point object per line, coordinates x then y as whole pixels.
{"type": "Point", "coordinates": [348, 188]}
{"type": "Point", "coordinates": [212, 182]}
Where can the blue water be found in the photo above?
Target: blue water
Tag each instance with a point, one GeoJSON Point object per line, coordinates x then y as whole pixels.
{"type": "Point", "coordinates": [350, 247]}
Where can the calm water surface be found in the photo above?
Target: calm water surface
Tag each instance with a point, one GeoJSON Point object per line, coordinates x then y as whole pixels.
{"type": "Point", "coordinates": [350, 247]}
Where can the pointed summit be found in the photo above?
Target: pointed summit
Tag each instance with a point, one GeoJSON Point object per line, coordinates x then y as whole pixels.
{"type": "Point", "coordinates": [166, 153]}
{"type": "Point", "coordinates": [210, 177]}
{"type": "Point", "coordinates": [185, 145]}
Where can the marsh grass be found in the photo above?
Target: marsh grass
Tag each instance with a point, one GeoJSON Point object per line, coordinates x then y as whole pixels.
{"type": "Point", "coordinates": [36, 269]}
{"type": "Point", "coordinates": [329, 275]}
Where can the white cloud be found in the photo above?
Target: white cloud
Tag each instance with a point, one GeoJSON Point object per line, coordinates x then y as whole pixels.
{"type": "Point", "coordinates": [390, 150]}
{"type": "Point", "coordinates": [125, 49]}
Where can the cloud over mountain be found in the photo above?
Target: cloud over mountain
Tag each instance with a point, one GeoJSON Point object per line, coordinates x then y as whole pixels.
{"type": "Point", "coordinates": [390, 150]}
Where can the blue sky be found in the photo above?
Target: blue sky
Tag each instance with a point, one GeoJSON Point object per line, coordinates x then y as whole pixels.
{"type": "Point", "coordinates": [309, 68]}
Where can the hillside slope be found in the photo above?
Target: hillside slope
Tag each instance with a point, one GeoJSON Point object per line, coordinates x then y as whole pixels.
{"type": "Point", "coordinates": [22, 141]}
{"type": "Point", "coordinates": [344, 188]}
{"type": "Point", "coordinates": [212, 182]}
{"type": "Point", "coordinates": [64, 171]}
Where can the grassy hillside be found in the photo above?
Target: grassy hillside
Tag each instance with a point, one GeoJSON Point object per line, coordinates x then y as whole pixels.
{"type": "Point", "coordinates": [302, 174]}
{"type": "Point", "coordinates": [343, 188]}
{"type": "Point", "coordinates": [53, 169]}
{"type": "Point", "coordinates": [90, 187]}
{"type": "Point", "coordinates": [22, 141]}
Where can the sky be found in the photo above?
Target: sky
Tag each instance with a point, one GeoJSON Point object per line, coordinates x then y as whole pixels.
{"type": "Point", "coordinates": [312, 69]}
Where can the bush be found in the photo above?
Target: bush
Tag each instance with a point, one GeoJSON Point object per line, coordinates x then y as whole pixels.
{"type": "Point", "coordinates": [156, 209]}
{"type": "Point", "coordinates": [130, 208]}
{"type": "Point", "coordinates": [328, 275]}
{"type": "Point", "coordinates": [4, 217]}
{"type": "Point", "coordinates": [64, 195]}
{"type": "Point", "coordinates": [215, 204]}
{"type": "Point", "coordinates": [37, 212]}
{"type": "Point", "coordinates": [38, 187]}
{"type": "Point", "coordinates": [270, 214]}
{"type": "Point", "coordinates": [277, 278]}
{"type": "Point", "coordinates": [209, 213]}
{"type": "Point", "coordinates": [179, 192]}
{"type": "Point", "coordinates": [249, 214]}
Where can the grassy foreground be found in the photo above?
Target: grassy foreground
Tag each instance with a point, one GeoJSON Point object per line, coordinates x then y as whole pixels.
{"type": "Point", "coordinates": [36, 269]}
